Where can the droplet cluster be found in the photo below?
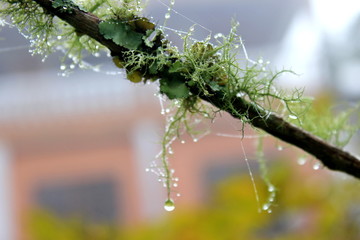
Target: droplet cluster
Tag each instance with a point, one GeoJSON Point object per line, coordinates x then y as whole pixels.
{"type": "Point", "coordinates": [271, 199]}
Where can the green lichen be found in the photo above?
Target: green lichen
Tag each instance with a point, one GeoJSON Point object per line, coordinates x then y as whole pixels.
{"type": "Point", "coordinates": [48, 33]}
{"type": "Point", "coordinates": [32, 21]}
{"type": "Point", "coordinates": [65, 5]}
{"type": "Point", "coordinates": [324, 119]}
{"type": "Point", "coordinates": [121, 33]}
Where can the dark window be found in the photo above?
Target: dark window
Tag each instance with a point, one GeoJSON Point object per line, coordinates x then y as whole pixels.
{"type": "Point", "coordinates": [91, 201]}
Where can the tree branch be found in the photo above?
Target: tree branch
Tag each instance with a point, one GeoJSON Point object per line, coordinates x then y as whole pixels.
{"type": "Point", "coordinates": [83, 22]}
{"type": "Point", "coordinates": [332, 157]}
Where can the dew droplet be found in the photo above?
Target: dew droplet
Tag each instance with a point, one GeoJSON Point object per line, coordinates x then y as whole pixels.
{"type": "Point", "coordinates": [280, 148]}
{"type": "Point", "coordinates": [266, 207]}
{"type": "Point", "coordinates": [96, 69]}
{"type": "Point", "coordinates": [147, 169]}
{"type": "Point", "coordinates": [195, 140]}
{"type": "Point", "coordinates": [316, 166]}
{"type": "Point", "coordinates": [192, 28]}
{"type": "Point", "coordinates": [301, 161]}
{"type": "Point", "coordinates": [169, 205]}
{"type": "Point", "coordinates": [271, 188]}
{"type": "Point", "coordinates": [260, 61]}
{"type": "Point", "coordinates": [167, 15]}
{"type": "Point", "coordinates": [182, 141]}
{"type": "Point", "coordinates": [240, 94]}
{"type": "Point", "coordinates": [175, 184]}
{"type": "Point", "coordinates": [62, 67]}
{"type": "Point", "coordinates": [218, 35]}
{"type": "Point", "coordinates": [59, 37]}
{"type": "Point", "coordinates": [292, 116]}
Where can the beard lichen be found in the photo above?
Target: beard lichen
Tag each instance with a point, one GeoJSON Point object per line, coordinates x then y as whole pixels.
{"type": "Point", "coordinates": [216, 65]}
{"type": "Point", "coordinates": [182, 116]}
{"type": "Point", "coordinates": [207, 68]}
{"type": "Point", "coordinates": [48, 33]}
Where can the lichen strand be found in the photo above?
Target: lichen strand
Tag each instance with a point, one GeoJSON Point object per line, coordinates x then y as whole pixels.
{"type": "Point", "coordinates": [48, 33]}
{"type": "Point", "coordinates": [32, 21]}
{"type": "Point", "coordinates": [182, 116]}
{"type": "Point", "coordinates": [322, 119]}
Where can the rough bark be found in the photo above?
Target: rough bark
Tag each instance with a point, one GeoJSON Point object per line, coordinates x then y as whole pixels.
{"type": "Point", "coordinates": [331, 156]}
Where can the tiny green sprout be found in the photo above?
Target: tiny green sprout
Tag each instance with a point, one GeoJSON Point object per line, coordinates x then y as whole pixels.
{"type": "Point", "coordinates": [116, 60]}
{"type": "Point", "coordinates": [143, 24]}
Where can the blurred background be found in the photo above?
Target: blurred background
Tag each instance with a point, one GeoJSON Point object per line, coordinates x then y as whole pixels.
{"type": "Point", "coordinates": [74, 149]}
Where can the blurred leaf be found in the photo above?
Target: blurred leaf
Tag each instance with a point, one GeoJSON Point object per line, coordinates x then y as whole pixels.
{"type": "Point", "coordinates": [313, 207]}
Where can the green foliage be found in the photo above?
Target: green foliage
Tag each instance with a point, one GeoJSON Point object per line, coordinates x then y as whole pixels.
{"type": "Point", "coordinates": [318, 209]}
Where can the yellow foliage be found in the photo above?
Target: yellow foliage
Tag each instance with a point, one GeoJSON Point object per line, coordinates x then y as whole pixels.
{"type": "Point", "coordinates": [315, 208]}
